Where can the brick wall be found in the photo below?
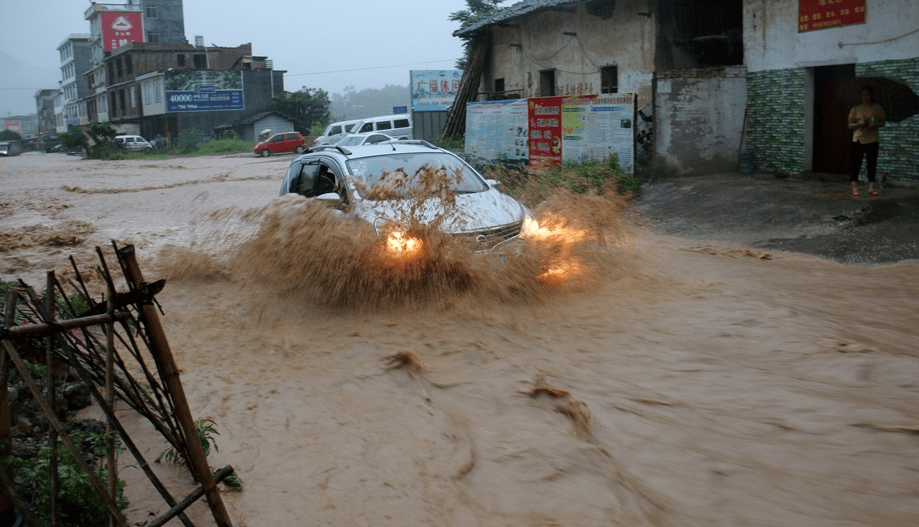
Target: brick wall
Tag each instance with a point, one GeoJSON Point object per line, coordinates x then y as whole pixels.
{"type": "Point", "coordinates": [777, 110]}
{"type": "Point", "coordinates": [899, 155]}
{"type": "Point", "coordinates": [775, 119]}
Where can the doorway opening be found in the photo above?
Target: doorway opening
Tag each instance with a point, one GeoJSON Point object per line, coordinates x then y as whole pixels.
{"type": "Point", "coordinates": [831, 130]}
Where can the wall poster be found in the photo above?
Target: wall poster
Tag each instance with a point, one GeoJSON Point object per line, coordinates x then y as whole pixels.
{"type": "Point", "coordinates": [197, 91]}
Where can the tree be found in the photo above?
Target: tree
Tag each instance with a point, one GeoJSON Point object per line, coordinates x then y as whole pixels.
{"type": "Point", "coordinates": [97, 140]}
{"type": "Point", "coordinates": [307, 107]}
{"type": "Point", "coordinates": [476, 10]}
{"type": "Point", "coordinates": [9, 135]}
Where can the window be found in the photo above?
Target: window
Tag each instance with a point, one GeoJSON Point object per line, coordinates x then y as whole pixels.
{"type": "Point", "coordinates": [157, 92]}
{"type": "Point", "coordinates": [401, 123]}
{"type": "Point", "coordinates": [499, 85]}
{"type": "Point", "coordinates": [122, 101]}
{"type": "Point", "coordinates": [128, 65]}
{"type": "Point", "coordinates": [547, 83]}
{"type": "Point", "coordinates": [609, 79]}
{"type": "Point", "coordinates": [151, 11]}
{"type": "Point", "coordinates": [368, 127]}
{"type": "Point", "coordinates": [133, 97]}
{"type": "Point", "coordinates": [384, 125]}
{"type": "Point", "coordinates": [153, 36]}
{"type": "Point", "coordinates": [200, 61]}
{"type": "Point", "coordinates": [118, 68]}
{"type": "Point", "coordinates": [180, 60]}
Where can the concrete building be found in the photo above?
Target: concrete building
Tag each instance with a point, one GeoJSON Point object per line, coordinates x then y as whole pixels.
{"type": "Point", "coordinates": [45, 117]}
{"type": "Point", "coordinates": [722, 78]}
{"type": "Point", "coordinates": [796, 72]}
{"type": "Point", "coordinates": [76, 58]}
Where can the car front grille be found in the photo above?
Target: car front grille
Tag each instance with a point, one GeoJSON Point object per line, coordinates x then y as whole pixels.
{"type": "Point", "coordinates": [490, 238]}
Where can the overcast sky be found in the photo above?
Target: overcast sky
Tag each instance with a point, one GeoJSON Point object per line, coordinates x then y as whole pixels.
{"type": "Point", "coordinates": [321, 44]}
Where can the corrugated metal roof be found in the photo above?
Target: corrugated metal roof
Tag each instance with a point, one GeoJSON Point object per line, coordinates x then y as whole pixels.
{"type": "Point", "coordinates": [517, 10]}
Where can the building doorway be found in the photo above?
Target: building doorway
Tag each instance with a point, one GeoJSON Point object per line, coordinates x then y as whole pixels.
{"type": "Point", "coordinates": [831, 130]}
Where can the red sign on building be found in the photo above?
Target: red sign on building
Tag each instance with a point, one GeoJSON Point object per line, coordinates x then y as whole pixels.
{"type": "Point", "coordinates": [822, 14]}
{"type": "Point", "coordinates": [119, 28]}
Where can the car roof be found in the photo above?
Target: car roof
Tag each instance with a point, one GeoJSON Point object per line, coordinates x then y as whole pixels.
{"type": "Point", "coordinates": [357, 152]}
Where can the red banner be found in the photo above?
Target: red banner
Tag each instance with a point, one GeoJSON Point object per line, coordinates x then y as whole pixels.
{"type": "Point", "coordinates": [545, 116]}
{"type": "Point", "coordinates": [119, 28]}
{"type": "Point", "coordinates": [822, 14]}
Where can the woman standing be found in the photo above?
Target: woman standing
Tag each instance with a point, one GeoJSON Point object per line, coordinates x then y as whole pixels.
{"type": "Point", "coordinates": [864, 121]}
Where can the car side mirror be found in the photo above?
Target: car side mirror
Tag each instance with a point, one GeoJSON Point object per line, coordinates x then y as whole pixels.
{"type": "Point", "coordinates": [329, 196]}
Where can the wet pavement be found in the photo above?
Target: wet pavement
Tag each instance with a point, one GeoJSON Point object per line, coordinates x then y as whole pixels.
{"type": "Point", "coordinates": [807, 213]}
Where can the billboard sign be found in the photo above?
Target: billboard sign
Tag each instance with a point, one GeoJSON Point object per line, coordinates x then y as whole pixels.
{"type": "Point", "coordinates": [202, 91]}
{"type": "Point", "coordinates": [823, 14]}
{"type": "Point", "coordinates": [434, 90]}
{"type": "Point", "coordinates": [119, 28]}
{"type": "Point", "coordinates": [13, 126]}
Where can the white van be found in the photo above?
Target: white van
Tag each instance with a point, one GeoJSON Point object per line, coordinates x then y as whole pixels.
{"type": "Point", "coordinates": [398, 126]}
{"type": "Point", "coordinates": [334, 132]}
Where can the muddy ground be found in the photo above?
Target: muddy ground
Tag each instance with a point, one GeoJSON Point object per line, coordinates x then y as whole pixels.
{"type": "Point", "coordinates": [689, 369]}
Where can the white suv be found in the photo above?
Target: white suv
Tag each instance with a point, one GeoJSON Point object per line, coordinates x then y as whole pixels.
{"type": "Point", "coordinates": [346, 178]}
{"type": "Point", "coordinates": [133, 142]}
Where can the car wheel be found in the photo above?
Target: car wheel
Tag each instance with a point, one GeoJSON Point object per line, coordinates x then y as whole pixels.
{"type": "Point", "coordinates": [148, 150]}
{"type": "Point", "coordinates": [299, 149]}
{"type": "Point", "coordinates": [265, 152]}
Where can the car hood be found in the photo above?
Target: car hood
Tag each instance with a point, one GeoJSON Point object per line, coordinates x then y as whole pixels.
{"type": "Point", "coordinates": [473, 212]}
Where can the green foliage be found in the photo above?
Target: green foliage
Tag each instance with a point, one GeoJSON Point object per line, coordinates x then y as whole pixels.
{"type": "Point", "coordinates": [189, 140]}
{"type": "Point", "coordinates": [233, 482]}
{"type": "Point", "coordinates": [206, 430]}
{"type": "Point", "coordinates": [533, 187]}
{"type": "Point", "coordinates": [9, 135]}
{"type": "Point", "coordinates": [454, 145]}
{"type": "Point", "coordinates": [475, 11]}
{"type": "Point", "coordinates": [4, 287]}
{"type": "Point", "coordinates": [78, 501]}
{"type": "Point", "coordinates": [73, 138]}
{"type": "Point", "coordinates": [229, 135]}
{"type": "Point", "coordinates": [308, 105]}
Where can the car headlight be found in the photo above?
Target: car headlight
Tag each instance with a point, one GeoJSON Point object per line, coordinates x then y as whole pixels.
{"type": "Point", "coordinates": [398, 241]}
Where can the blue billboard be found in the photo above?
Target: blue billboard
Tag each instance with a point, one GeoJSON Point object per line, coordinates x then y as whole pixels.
{"type": "Point", "coordinates": [202, 91]}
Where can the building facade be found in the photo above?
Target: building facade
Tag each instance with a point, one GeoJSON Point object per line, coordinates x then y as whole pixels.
{"type": "Point", "coordinates": [75, 55]}
{"type": "Point", "coordinates": [797, 117]}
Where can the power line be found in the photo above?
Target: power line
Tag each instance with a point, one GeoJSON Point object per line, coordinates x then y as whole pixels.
{"type": "Point", "coordinates": [365, 69]}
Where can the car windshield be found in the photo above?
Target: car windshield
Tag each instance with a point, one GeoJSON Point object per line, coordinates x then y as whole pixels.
{"type": "Point", "coordinates": [351, 140]}
{"type": "Point", "coordinates": [371, 170]}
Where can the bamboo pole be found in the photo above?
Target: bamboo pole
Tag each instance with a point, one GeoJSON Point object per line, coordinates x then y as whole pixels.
{"type": "Point", "coordinates": [191, 498]}
{"type": "Point", "coordinates": [54, 483]}
{"type": "Point", "coordinates": [7, 496]}
{"type": "Point", "coordinates": [56, 424]}
{"type": "Point", "coordinates": [159, 346]}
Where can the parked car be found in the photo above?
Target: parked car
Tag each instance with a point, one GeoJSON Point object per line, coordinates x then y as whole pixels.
{"type": "Point", "coordinates": [133, 142]}
{"type": "Point", "coordinates": [345, 177]}
{"type": "Point", "coordinates": [334, 132]}
{"type": "Point", "coordinates": [364, 139]}
{"type": "Point", "coordinates": [398, 125]}
{"type": "Point", "coordinates": [280, 143]}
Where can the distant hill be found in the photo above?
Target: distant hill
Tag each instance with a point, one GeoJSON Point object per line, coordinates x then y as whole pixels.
{"type": "Point", "coordinates": [18, 83]}
{"type": "Point", "coordinates": [369, 102]}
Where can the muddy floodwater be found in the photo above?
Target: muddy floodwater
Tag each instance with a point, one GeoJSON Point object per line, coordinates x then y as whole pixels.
{"type": "Point", "coordinates": [608, 376]}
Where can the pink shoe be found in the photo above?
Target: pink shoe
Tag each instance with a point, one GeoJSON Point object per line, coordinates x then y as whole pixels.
{"type": "Point", "coordinates": [855, 192]}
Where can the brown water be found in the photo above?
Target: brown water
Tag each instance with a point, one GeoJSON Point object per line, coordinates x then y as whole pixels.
{"type": "Point", "coordinates": [605, 376]}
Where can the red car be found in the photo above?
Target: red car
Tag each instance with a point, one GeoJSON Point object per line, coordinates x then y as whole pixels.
{"type": "Point", "coordinates": [279, 143]}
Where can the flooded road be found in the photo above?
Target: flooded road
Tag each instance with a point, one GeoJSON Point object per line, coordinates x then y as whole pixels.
{"type": "Point", "coordinates": [676, 382]}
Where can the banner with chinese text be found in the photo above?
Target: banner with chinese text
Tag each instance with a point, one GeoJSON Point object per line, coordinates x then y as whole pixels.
{"type": "Point", "coordinates": [434, 90]}
{"type": "Point", "coordinates": [823, 14]}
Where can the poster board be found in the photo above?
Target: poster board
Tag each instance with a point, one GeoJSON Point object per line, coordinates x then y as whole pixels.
{"type": "Point", "coordinates": [497, 129]}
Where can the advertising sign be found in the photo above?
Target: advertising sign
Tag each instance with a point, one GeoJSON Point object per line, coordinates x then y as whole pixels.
{"type": "Point", "coordinates": [119, 28]}
{"type": "Point", "coordinates": [201, 91]}
{"type": "Point", "coordinates": [13, 126]}
{"type": "Point", "coordinates": [596, 127]}
{"type": "Point", "coordinates": [434, 90]}
{"type": "Point", "coordinates": [822, 14]}
{"type": "Point", "coordinates": [497, 129]}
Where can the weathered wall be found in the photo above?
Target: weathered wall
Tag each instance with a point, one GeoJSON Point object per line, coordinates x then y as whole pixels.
{"type": "Point", "coordinates": [538, 42]}
{"type": "Point", "coordinates": [772, 40]}
{"type": "Point", "coordinates": [699, 117]}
